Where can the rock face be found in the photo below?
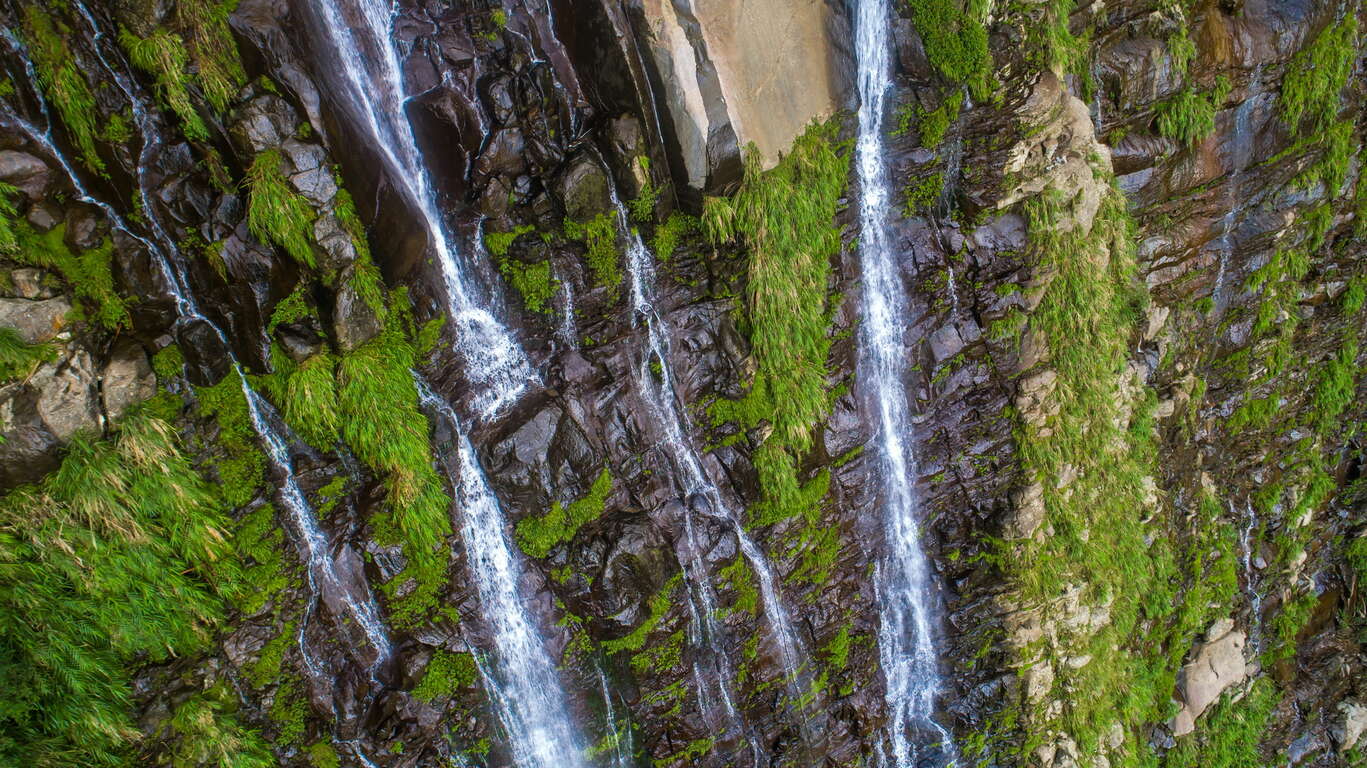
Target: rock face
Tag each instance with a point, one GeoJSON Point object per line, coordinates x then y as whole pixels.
{"type": "Point", "coordinates": [1135, 258]}
{"type": "Point", "coordinates": [741, 71]}
{"type": "Point", "coordinates": [1215, 666]}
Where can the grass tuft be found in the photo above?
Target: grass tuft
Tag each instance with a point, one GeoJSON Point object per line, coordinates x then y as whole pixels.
{"type": "Point", "coordinates": [275, 212]}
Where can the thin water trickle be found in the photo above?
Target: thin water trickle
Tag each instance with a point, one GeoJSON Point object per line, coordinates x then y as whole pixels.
{"type": "Point", "coordinates": [907, 650]}
{"type": "Point", "coordinates": [372, 73]}
{"type": "Point", "coordinates": [1234, 203]}
{"type": "Point", "coordinates": [622, 744]}
{"type": "Point", "coordinates": [522, 680]}
{"type": "Point", "coordinates": [657, 385]}
{"type": "Point", "coordinates": [1247, 544]}
{"type": "Point", "coordinates": [321, 568]}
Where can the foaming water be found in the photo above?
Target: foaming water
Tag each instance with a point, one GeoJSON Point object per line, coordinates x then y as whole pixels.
{"type": "Point", "coordinates": [906, 637]}
{"type": "Point", "coordinates": [522, 680]}
{"type": "Point", "coordinates": [373, 76]}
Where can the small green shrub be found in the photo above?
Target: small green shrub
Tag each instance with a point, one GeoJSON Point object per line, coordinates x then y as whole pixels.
{"type": "Point", "coordinates": [955, 40]}
{"type": "Point", "coordinates": [275, 212]}
{"type": "Point", "coordinates": [163, 55]}
{"type": "Point", "coordinates": [310, 406]}
{"type": "Point", "coordinates": [1316, 76]}
{"type": "Point", "coordinates": [1187, 117]}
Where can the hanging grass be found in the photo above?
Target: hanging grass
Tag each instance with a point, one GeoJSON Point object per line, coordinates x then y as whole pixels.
{"type": "Point", "coordinates": [59, 74]}
{"type": "Point", "coordinates": [275, 212]}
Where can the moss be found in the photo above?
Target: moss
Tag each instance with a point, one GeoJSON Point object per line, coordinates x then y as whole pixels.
{"type": "Point", "coordinates": [738, 577]}
{"type": "Point", "coordinates": [599, 234]}
{"type": "Point", "coordinates": [322, 755]}
{"type": "Point", "coordinates": [533, 282]}
{"type": "Point", "coordinates": [642, 207]}
{"type": "Point", "coordinates": [537, 536]}
{"type": "Point", "coordinates": [89, 274]}
{"type": "Point", "coordinates": [266, 669]}
{"type": "Point", "coordinates": [1336, 388]}
{"type": "Point", "coordinates": [498, 243]}
{"type": "Point", "coordinates": [1316, 76]}
{"type": "Point", "coordinates": [240, 464]}
{"type": "Point", "coordinates": [289, 711]}
{"type": "Point", "coordinates": [446, 674]}
{"type": "Point", "coordinates": [275, 212]}
{"type": "Point", "coordinates": [932, 125]}
{"type": "Point", "coordinates": [163, 55]}
{"type": "Point", "coordinates": [659, 605]}
{"type": "Point", "coordinates": [955, 41]}
{"type": "Point", "coordinates": [1231, 732]}
{"type": "Point", "coordinates": [18, 358]}
{"type": "Point", "coordinates": [330, 495]}
{"type": "Point", "coordinates": [669, 235]}
{"type": "Point", "coordinates": [786, 219]}
{"type": "Point", "coordinates": [169, 362]}
{"type": "Point", "coordinates": [59, 74]}
{"type": "Point", "coordinates": [922, 194]}
{"type": "Point", "coordinates": [291, 309]}
{"type": "Point", "coordinates": [258, 542]}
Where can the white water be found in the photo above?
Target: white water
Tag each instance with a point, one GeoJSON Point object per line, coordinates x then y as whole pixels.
{"type": "Point", "coordinates": [1255, 598]}
{"type": "Point", "coordinates": [323, 579]}
{"type": "Point", "coordinates": [658, 389]}
{"type": "Point", "coordinates": [522, 681]}
{"type": "Point", "coordinates": [373, 75]}
{"type": "Point", "coordinates": [622, 746]}
{"type": "Point", "coordinates": [906, 646]}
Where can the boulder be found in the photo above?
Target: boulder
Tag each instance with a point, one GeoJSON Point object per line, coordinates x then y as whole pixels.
{"type": "Point", "coordinates": [1214, 667]}
{"type": "Point", "coordinates": [26, 172]}
{"type": "Point", "coordinates": [36, 321]}
{"type": "Point", "coordinates": [126, 380]}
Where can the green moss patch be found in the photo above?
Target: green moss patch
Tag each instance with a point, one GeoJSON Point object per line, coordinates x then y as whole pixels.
{"type": "Point", "coordinates": [537, 536]}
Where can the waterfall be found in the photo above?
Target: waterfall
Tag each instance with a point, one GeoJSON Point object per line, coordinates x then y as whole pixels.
{"type": "Point", "coordinates": [657, 386]}
{"type": "Point", "coordinates": [522, 680]}
{"type": "Point", "coordinates": [372, 75]}
{"type": "Point", "coordinates": [902, 579]}
{"type": "Point", "coordinates": [622, 743]}
{"type": "Point", "coordinates": [324, 581]}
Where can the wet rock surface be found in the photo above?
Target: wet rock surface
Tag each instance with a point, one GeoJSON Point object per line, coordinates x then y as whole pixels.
{"type": "Point", "coordinates": [529, 115]}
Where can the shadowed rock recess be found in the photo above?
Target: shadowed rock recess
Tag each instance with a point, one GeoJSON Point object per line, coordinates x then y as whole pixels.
{"type": "Point", "coordinates": [617, 383]}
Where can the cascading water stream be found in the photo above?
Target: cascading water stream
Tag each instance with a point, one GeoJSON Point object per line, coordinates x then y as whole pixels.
{"type": "Point", "coordinates": [1247, 543]}
{"type": "Point", "coordinates": [324, 582]}
{"type": "Point", "coordinates": [372, 74]}
{"type": "Point", "coordinates": [522, 680]}
{"type": "Point", "coordinates": [662, 401]}
{"type": "Point", "coordinates": [623, 745]}
{"type": "Point", "coordinates": [906, 647]}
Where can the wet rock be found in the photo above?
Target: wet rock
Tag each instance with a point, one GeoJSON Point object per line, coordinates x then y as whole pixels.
{"type": "Point", "coordinates": [1350, 725]}
{"type": "Point", "coordinates": [207, 359]}
{"type": "Point", "coordinates": [30, 283]}
{"type": "Point", "coordinates": [583, 190]}
{"type": "Point", "coordinates": [127, 379]}
{"type": "Point", "coordinates": [44, 215]}
{"type": "Point", "coordinates": [66, 401]}
{"type": "Point", "coordinates": [86, 228]}
{"type": "Point", "coordinates": [36, 321]}
{"type": "Point", "coordinates": [353, 321]}
{"type": "Point", "coordinates": [28, 173]}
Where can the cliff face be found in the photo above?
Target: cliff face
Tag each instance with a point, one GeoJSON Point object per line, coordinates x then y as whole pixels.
{"type": "Point", "coordinates": [277, 491]}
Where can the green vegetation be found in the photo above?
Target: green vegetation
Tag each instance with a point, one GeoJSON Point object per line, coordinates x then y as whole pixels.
{"type": "Point", "coordinates": [1232, 731]}
{"type": "Point", "coordinates": [59, 74]}
{"type": "Point", "coordinates": [498, 243]}
{"type": "Point", "coordinates": [956, 41]}
{"type": "Point", "coordinates": [204, 731]}
{"type": "Point", "coordinates": [537, 536]}
{"type": "Point", "coordinates": [291, 309]}
{"type": "Point", "coordinates": [322, 755]}
{"type": "Point", "coordinates": [932, 125]}
{"type": "Point", "coordinates": [1316, 76]}
{"type": "Point", "coordinates": [671, 233]}
{"type": "Point", "coordinates": [1189, 116]}
{"type": "Point", "coordinates": [310, 403]}
{"type": "Point", "coordinates": [599, 234]}
{"type": "Point", "coordinates": [642, 207]}
{"type": "Point", "coordinates": [163, 55]}
{"type": "Point", "coordinates": [168, 363]}
{"type": "Point", "coordinates": [785, 217]}
{"type": "Point", "coordinates": [382, 423]}
{"type": "Point", "coordinates": [204, 25]}
{"type": "Point", "coordinates": [922, 194]}
{"type": "Point", "coordinates": [109, 565]}
{"type": "Point", "coordinates": [258, 543]}
{"type": "Point", "coordinates": [659, 606]}
{"type": "Point", "coordinates": [533, 282]}
{"type": "Point", "coordinates": [239, 462]}
{"type": "Point", "coordinates": [446, 674]}
{"type": "Point", "coordinates": [89, 274]}
{"type": "Point", "coordinates": [275, 212]}
{"type": "Point", "coordinates": [18, 358]}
